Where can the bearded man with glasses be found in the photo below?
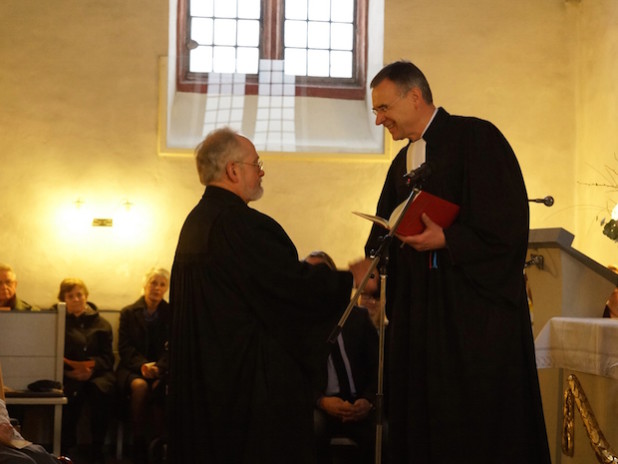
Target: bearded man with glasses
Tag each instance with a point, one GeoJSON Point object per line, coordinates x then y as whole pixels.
{"type": "Point", "coordinates": [249, 322]}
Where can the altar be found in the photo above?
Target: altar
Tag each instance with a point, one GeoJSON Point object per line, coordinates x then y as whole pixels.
{"type": "Point", "coordinates": [568, 292]}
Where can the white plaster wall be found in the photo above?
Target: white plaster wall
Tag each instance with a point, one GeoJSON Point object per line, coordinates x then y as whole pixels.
{"type": "Point", "coordinates": [597, 141]}
{"type": "Point", "coordinates": [78, 118]}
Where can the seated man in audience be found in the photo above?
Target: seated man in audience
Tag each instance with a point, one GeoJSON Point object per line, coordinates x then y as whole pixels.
{"type": "Point", "coordinates": [8, 288]}
{"type": "Point", "coordinates": [344, 405]}
{"type": "Point", "coordinates": [13, 448]}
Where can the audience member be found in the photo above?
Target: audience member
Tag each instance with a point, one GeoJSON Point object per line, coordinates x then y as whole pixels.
{"type": "Point", "coordinates": [8, 289]}
{"type": "Point", "coordinates": [13, 448]}
{"type": "Point", "coordinates": [345, 401]}
{"type": "Point", "coordinates": [88, 367]}
{"type": "Point", "coordinates": [142, 346]}
{"type": "Point", "coordinates": [611, 305]}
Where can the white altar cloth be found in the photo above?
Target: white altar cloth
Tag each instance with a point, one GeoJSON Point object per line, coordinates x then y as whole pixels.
{"type": "Point", "coordinates": [581, 344]}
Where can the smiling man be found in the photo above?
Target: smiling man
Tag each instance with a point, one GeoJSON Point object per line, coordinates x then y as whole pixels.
{"type": "Point", "coordinates": [462, 384]}
{"type": "Point", "coordinates": [249, 322]}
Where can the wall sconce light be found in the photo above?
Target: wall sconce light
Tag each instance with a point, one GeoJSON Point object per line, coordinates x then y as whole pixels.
{"type": "Point", "coordinates": [98, 221]}
{"type": "Point", "coordinates": [102, 222]}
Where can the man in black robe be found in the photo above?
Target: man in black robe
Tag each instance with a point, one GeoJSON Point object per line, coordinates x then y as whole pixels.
{"type": "Point", "coordinates": [462, 384]}
{"type": "Point", "coordinates": [250, 323]}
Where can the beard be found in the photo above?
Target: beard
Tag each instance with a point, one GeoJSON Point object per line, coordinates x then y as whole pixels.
{"type": "Point", "coordinates": [255, 193]}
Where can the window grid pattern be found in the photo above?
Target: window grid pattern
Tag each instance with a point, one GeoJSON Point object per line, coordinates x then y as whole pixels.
{"type": "Point", "coordinates": [326, 54]}
{"type": "Point", "coordinates": [319, 38]}
{"type": "Point", "coordinates": [225, 36]}
{"type": "Point", "coordinates": [275, 128]}
{"type": "Point", "coordinates": [225, 103]}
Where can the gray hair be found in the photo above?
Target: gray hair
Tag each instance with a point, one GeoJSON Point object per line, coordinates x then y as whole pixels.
{"type": "Point", "coordinates": [214, 152]}
{"type": "Point", "coordinates": [7, 268]}
{"type": "Point", "coordinates": [156, 271]}
{"type": "Point", "coordinates": [406, 76]}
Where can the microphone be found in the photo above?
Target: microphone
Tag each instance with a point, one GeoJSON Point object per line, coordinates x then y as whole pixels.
{"type": "Point", "coordinates": [419, 174]}
{"type": "Point", "coordinates": [547, 201]}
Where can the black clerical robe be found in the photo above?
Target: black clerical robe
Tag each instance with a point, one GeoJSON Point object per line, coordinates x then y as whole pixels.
{"type": "Point", "coordinates": [249, 330]}
{"type": "Point", "coordinates": [462, 383]}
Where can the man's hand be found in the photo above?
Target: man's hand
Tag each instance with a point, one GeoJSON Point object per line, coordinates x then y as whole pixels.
{"type": "Point", "coordinates": [150, 370]}
{"type": "Point", "coordinates": [432, 238]}
{"type": "Point", "coordinates": [360, 409]}
{"type": "Point", "coordinates": [359, 269]}
{"type": "Point", "coordinates": [336, 407]}
{"type": "Point", "coordinates": [6, 434]}
{"type": "Point", "coordinates": [344, 410]}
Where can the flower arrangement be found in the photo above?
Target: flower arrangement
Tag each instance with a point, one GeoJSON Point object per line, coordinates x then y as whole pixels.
{"type": "Point", "coordinates": [610, 228]}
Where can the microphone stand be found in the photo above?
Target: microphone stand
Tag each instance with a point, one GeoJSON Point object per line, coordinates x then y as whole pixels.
{"type": "Point", "coordinates": [380, 256]}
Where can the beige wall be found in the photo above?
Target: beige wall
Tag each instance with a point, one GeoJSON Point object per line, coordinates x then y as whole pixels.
{"type": "Point", "coordinates": [597, 130]}
{"type": "Point", "coordinates": [78, 119]}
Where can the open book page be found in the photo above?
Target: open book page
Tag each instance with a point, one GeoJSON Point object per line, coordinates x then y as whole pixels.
{"type": "Point", "coordinates": [377, 219]}
{"type": "Point", "coordinates": [440, 211]}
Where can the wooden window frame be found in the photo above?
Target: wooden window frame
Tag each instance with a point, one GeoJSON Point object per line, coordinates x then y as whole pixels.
{"type": "Point", "coordinates": [352, 88]}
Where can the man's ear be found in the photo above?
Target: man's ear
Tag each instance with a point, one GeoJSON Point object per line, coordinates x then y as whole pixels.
{"type": "Point", "coordinates": [231, 171]}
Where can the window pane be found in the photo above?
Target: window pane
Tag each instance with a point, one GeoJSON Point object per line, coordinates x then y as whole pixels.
{"type": "Point", "coordinates": [295, 62]}
{"type": "Point", "coordinates": [319, 10]}
{"type": "Point", "coordinates": [248, 33]}
{"type": "Point", "coordinates": [249, 9]}
{"type": "Point", "coordinates": [225, 36]}
{"type": "Point", "coordinates": [317, 63]}
{"type": "Point", "coordinates": [342, 36]}
{"type": "Point", "coordinates": [224, 60]}
{"type": "Point", "coordinates": [225, 8]}
{"type": "Point", "coordinates": [201, 7]}
{"type": "Point", "coordinates": [295, 34]}
{"type": "Point", "coordinates": [318, 35]}
{"type": "Point", "coordinates": [201, 30]}
{"type": "Point", "coordinates": [225, 32]}
{"type": "Point", "coordinates": [342, 11]}
{"type": "Point", "coordinates": [247, 60]}
{"type": "Point", "coordinates": [295, 9]}
{"type": "Point", "coordinates": [340, 64]}
{"type": "Point", "coordinates": [201, 59]}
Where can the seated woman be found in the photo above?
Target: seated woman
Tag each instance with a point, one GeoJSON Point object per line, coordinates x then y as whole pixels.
{"type": "Point", "coordinates": [142, 346]}
{"type": "Point", "coordinates": [88, 367]}
{"type": "Point", "coordinates": [13, 448]}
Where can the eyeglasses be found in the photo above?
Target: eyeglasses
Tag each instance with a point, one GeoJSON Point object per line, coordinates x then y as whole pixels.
{"type": "Point", "coordinates": [259, 164]}
{"type": "Point", "coordinates": [384, 108]}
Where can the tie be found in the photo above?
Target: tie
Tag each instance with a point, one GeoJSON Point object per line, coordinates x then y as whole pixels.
{"type": "Point", "coordinates": [342, 374]}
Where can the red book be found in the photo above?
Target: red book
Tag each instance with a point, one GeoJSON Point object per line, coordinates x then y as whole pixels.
{"type": "Point", "coordinates": [439, 210]}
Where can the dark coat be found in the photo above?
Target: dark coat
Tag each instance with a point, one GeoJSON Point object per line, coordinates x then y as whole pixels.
{"type": "Point", "coordinates": [462, 381]}
{"type": "Point", "coordinates": [360, 339]}
{"type": "Point", "coordinates": [89, 337]}
{"type": "Point", "coordinates": [134, 340]}
{"type": "Point", "coordinates": [20, 305]}
{"type": "Point", "coordinates": [249, 330]}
